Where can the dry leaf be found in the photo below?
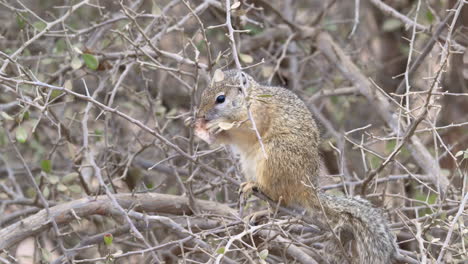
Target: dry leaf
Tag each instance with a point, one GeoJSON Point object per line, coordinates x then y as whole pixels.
{"type": "Point", "coordinates": [76, 63]}
{"type": "Point", "coordinates": [77, 50]}
{"type": "Point", "coordinates": [267, 71]}
{"type": "Point", "coordinates": [235, 5]}
{"type": "Point", "coordinates": [68, 85]}
{"type": "Point", "coordinates": [246, 58]}
{"type": "Point", "coordinates": [218, 75]}
{"type": "Point", "coordinates": [225, 125]}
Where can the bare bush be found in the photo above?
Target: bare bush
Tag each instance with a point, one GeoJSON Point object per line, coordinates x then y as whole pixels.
{"type": "Point", "coordinates": [96, 164]}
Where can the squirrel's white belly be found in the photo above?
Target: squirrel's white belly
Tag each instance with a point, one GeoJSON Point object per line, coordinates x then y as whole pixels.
{"type": "Point", "coordinates": [248, 162]}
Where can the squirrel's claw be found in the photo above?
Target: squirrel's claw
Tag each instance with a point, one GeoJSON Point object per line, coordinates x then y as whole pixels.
{"type": "Point", "coordinates": [189, 121]}
{"type": "Point", "coordinates": [247, 188]}
{"type": "Point", "coordinates": [213, 128]}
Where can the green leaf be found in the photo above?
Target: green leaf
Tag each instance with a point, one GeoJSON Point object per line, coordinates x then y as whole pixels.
{"type": "Point", "coordinates": [53, 179]}
{"type": "Point", "coordinates": [432, 198]}
{"type": "Point", "coordinates": [46, 192]}
{"type": "Point", "coordinates": [391, 25]}
{"type": "Point", "coordinates": [69, 177]}
{"type": "Point", "coordinates": [75, 188]}
{"type": "Point", "coordinates": [61, 187]}
{"type": "Point", "coordinates": [420, 196]}
{"type": "Point", "coordinates": [20, 21]}
{"type": "Point", "coordinates": [374, 161]}
{"type": "Point", "coordinates": [253, 30]}
{"type": "Point", "coordinates": [25, 115]}
{"type": "Point", "coordinates": [443, 216]}
{"type": "Point", "coordinates": [108, 238]}
{"type": "Point", "coordinates": [430, 17]}
{"type": "Point", "coordinates": [39, 25]}
{"type": "Point", "coordinates": [60, 46]}
{"type": "Point", "coordinates": [26, 52]}
{"type": "Point", "coordinates": [47, 61]}
{"type": "Point", "coordinates": [46, 166]}
{"type": "Point", "coordinates": [429, 199]}
{"type": "Point", "coordinates": [30, 192]}
{"type": "Point", "coordinates": [221, 250]}
{"type": "Point", "coordinates": [90, 61]}
{"type": "Point", "coordinates": [263, 254]}
{"type": "Point", "coordinates": [265, 95]}
{"type": "Point", "coordinates": [390, 146]}
{"type": "Point", "coordinates": [331, 27]}
{"type": "Point", "coordinates": [21, 134]}
{"type": "Point", "coordinates": [98, 132]}
{"type": "Point", "coordinates": [45, 254]}
{"type": "Point", "coordinates": [55, 93]}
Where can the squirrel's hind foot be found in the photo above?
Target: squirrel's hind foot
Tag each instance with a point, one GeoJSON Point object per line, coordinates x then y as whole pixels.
{"type": "Point", "coordinates": [247, 188]}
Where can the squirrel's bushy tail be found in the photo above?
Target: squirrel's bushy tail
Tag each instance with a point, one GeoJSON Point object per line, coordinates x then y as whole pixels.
{"type": "Point", "coordinates": [362, 229]}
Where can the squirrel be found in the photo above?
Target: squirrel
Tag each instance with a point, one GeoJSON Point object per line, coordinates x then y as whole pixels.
{"type": "Point", "coordinates": [280, 158]}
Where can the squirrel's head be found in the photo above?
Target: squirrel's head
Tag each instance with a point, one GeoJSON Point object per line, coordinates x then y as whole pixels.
{"type": "Point", "coordinates": [224, 100]}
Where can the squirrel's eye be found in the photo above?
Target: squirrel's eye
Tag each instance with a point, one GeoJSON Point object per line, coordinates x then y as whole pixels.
{"type": "Point", "coordinates": [220, 99]}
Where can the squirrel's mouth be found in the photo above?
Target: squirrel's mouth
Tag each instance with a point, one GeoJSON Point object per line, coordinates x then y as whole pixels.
{"type": "Point", "coordinates": [211, 130]}
{"type": "Point", "coordinates": [202, 131]}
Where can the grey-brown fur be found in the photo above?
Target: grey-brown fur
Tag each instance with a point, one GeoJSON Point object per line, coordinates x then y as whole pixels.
{"type": "Point", "coordinates": [290, 137]}
{"type": "Point", "coordinates": [371, 241]}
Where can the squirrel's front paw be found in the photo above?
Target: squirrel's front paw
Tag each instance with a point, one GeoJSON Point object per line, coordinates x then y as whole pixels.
{"type": "Point", "coordinates": [246, 188]}
{"type": "Point", "coordinates": [213, 128]}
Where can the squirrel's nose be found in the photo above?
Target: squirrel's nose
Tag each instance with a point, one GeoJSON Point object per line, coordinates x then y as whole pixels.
{"type": "Point", "coordinates": [200, 116]}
